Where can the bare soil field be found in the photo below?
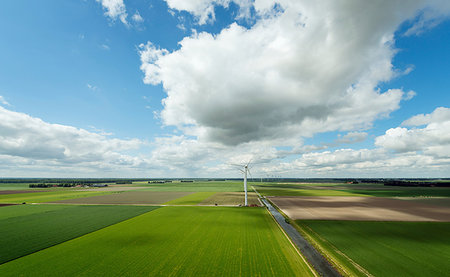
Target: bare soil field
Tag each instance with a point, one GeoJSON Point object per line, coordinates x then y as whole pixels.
{"type": "Point", "coordinates": [3, 192]}
{"type": "Point", "coordinates": [129, 197]}
{"type": "Point", "coordinates": [437, 201]}
{"type": "Point", "coordinates": [230, 198]}
{"type": "Point", "coordinates": [359, 208]}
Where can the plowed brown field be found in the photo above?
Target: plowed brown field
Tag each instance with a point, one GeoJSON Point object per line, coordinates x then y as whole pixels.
{"type": "Point", "coordinates": [359, 208]}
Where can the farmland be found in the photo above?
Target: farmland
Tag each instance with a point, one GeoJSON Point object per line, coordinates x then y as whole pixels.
{"type": "Point", "coordinates": [202, 186]}
{"type": "Point", "coordinates": [191, 199]}
{"type": "Point", "coordinates": [129, 197]}
{"type": "Point", "coordinates": [47, 196]}
{"type": "Point", "coordinates": [116, 230]}
{"type": "Point", "coordinates": [385, 248]}
{"type": "Point", "coordinates": [30, 230]}
{"type": "Point", "coordinates": [173, 241]}
{"type": "Point", "coordinates": [230, 198]}
{"type": "Point", "coordinates": [359, 208]}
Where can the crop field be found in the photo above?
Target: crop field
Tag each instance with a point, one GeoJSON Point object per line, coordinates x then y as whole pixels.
{"type": "Point", "coordinates": [213, 186]}
{"type": "Point", "coordinates": [191, 199]}
{"type": "Point", "coordinates": [303, 192]}
{"type": "Point", "coordinates": [129, 197]}
{"type": "Point", "coordinates": [22, 210]}
{"type": "Point", "coordinates": [47, 196]}
{"type": "Point", "coordinates": [384, 248]}
{"type": "Point", "coordinates": [173, 241]}
{"type": "Point", "coordinates": [230, 198]}
{"type": "Point", "coordinates": [435, 201]}
{"type": "Point", "coordinates": [359, 208]}
{"type": "Point", "coordinates": [26, 229]}
{"type": "Point", "coordinates": [13, 186]}
{"type": "Point", "coordinates": [403, 192]}
{"type": "Point", "coordinates": [4, 192]}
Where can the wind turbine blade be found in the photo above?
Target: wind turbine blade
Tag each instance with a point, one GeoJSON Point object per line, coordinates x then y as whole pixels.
{"type": "Point", "coordinates": [251, 176]}
{"type": "Point", "coordinates": [249, 162]}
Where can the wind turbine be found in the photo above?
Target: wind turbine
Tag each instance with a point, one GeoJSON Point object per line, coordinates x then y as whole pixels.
{"type": "Point", "coordinates": [244, 171]}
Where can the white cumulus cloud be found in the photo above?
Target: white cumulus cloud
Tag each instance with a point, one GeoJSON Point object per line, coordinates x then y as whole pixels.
{"type": "Point", "coordinates": [30, 138]}
{"type": "Point", "coordinates": [115, 9]}
{"type": "Point", "coordinates": [306, 69]}
{"type": "Point", "coordinates": [433, 139]}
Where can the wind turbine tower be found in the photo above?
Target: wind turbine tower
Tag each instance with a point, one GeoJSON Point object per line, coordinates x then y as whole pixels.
{"type": "Point", "coordinates": [245, 171]}
{"type": "Point", "coordinates": [245, 183]}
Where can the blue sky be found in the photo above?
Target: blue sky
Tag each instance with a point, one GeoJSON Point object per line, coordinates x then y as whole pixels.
{"type": "Point", "coordinates": [184, 88]}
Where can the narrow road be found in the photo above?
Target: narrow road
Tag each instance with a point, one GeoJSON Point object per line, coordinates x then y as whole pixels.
{"type": "Point", "coordinates": [319, 263]}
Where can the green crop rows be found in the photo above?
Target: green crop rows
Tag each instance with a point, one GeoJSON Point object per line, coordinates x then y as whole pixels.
{"type": "Point", "coordinates": [130, 197]}
{"type": "Point", "coordinates": [173, 241]}
{"type": "Point", "coordinates": [47, 196]}
{"type": "Point", "coordinates": [385, 248]}
{"type": "Point", "coordinates": [191, 199]}
{"type": "Point", "coordinates": [32, 228]}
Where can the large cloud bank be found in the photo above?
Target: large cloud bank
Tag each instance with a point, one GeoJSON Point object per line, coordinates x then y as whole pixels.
{"type": "Point", "coordinates": [30, 141]}
{"type": "Point", "coordinates": [305, 67]}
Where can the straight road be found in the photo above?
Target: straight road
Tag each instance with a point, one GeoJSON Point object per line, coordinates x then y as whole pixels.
{"type": "Point", "coordinates": [320, 264]}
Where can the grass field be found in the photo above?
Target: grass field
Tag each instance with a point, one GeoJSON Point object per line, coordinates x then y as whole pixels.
{"type": "Point", "coordinates": [191, 199]}
{"type": "Point", "coordinates": [47, 196]}
{"type": "Point", "coordinates": [23, 210]}
{"type": "Point", "coordinates": [129, 197]}
{"type": "Point", "coordinates": [173, 241]}
{"type": "Point", "coordinates": [385, 248]}
{"type": "Point", "coordinates": [13, 186]}
{"type": "Point", "coordinates": [230, 198]}
{"type": "Point", "coordinates": [28, 232]}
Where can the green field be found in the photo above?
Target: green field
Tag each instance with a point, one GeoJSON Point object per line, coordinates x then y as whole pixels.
{"type": "Point", "coordinates": [173, 241]}
{"type": "Point", "coordinates": [47, 196]}
{"type": "Point", "coordinates": [22, 210]}
{"type": "Point", "coordinates": [13, 186]}
{"type": "Point", "coordinates": [191, 199]}
{"type": "Point", "coordinates": [129, 197]}
{"type": "Point", "coordinates": [26, 229]}
{"type": "Point", "coordinates": [230, 198]}
{"type": "Point", "coordinates": [384, 248]}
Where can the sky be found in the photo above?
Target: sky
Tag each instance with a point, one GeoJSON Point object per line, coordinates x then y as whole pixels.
{"type": "Point", "coordinates": [186, 88]}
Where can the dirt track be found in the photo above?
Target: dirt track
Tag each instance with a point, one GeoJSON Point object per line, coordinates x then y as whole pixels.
{"type": "Point", "coordinates": [359, 208]}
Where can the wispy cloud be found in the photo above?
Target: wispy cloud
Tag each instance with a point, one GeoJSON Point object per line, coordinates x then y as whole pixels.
{"type": "Point", "coordinates": [105, 47]}
{"type": "Point", "coordinates": [137, 18]}
{"type": "Point", "coordinates": [3, 101]}
{"type": "Point", "coordinates": [92, 87]}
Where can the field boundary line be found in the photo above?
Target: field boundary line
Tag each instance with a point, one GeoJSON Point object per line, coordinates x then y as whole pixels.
{"type": "Point", "coordinates": [293, 245]}
{"type": "Point", "coordinates": [287, 237]}
{"type": "Point", "coordinates": [324, 252]}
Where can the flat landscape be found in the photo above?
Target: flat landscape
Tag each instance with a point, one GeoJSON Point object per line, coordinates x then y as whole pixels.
{"type": "Point", "coordinates": [384, 248]}
{"type": "Point", "coordinates": [128, 197]}
{"type": "Point", "coordinates": [31, 230]}
{"type": "Point", "coordinates": [359, 208]}
{"type": "Point", "coordinates": [173, 241]}
{"type": "Point", "coordinates": [198, 229]}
